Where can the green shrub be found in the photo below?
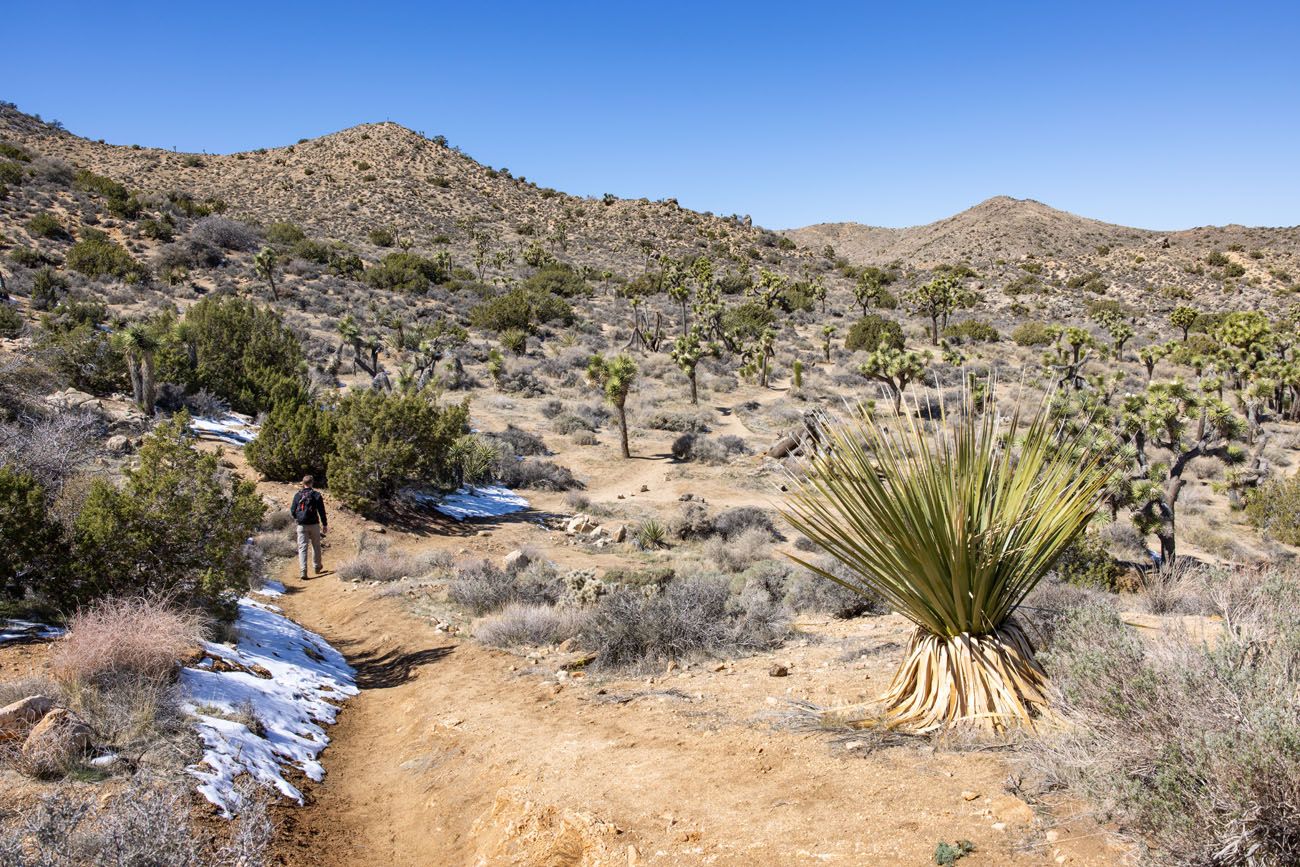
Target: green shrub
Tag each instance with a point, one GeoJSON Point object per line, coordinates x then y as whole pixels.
{"type": "Point", "coordinates": [872, 330]}
{"type": "Point", "coordinates": [745, 323]}
{"type": "Point", "coordinates": [382, 237]}
{"type": "Point", "coordinates": [559, 280]}
{"type": "Point", "coordinates": [385, 442]}
{"type": "Point", "coordinates": [1087, 563]}
{"type": "Point", "coordinates": [11, 151]}
{"type": "Point", "coordinates": [296, 439]}
{"type": "Point", "coordinates": [27, 257]}
{"type": "Point", "coordinates": [176, 527]}
{"type": "Point", "coordinates": [408, 272]}
{"type": "Point", "coordinates": [81, 350]}
{"type": "Point", "coordinates": [46, 225]}
{"type": "Point", "coordinates": [11, 173]}
{"type": "Point", "coordinates": [1217, 259]}
{"type": "Point", "coordinates": [971, 331]}
{"type": "Point", "coordinates": [520, 309]}
{"type": "Point", "coordinates": [47, 288]}
{"type": "Point", "coordinates": [31, 542]}
{"type": "Point", "coordinates": [285, 235]}
{"type": "Point", "coordinates": [239, 351]}
{"type": "Point", "coordinates": [11, 321]}
{"type": "Point", "coordinates": [158, 230]}
{"type": "Point", "coordinates": [1033, 334]}
{"type": "Point", "coordinates": [1274, 508]}
{"type": "Point", "coordinates": [97, 255]}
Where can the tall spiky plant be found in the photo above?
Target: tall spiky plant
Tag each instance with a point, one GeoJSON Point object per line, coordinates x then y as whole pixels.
{"type": "Point", "coordinates": [953, 529]}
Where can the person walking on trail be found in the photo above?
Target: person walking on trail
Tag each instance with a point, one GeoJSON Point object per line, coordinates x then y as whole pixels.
{"type": "Point", "coordinates": [308, 510]}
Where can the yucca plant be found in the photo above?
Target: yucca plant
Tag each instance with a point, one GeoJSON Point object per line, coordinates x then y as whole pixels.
{"type": "Point", "coordinates": [953, 529]}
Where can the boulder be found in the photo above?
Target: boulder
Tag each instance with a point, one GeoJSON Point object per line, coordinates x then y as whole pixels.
{"type": "Point", "coordinates": [784, 446]}
{"type": "Point", "coordinates": [618, 533]}
{"type": "Point", "coordinates": [59, 738]}
{"type": "Point", "coordinates": [17, 719]}
{"type": "Point", "coordinates": [580, 523]}
{"type": "Point", "coordinates": [118, 444]}
{"type": "Point", "coordinates": [516, 560]}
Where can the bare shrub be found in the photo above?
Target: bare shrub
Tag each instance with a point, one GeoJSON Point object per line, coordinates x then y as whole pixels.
{"type": "Point", "coordinates": [276, 543]}
{"type": "Point", "coordinates": [575, 501]}
{"type": "Point", "coordinates": [148, 822]}
{"type": "Point", "coordinates": [521, 442]}
{"type": "Point", "coordinates": [810, 592]}
{"type": "Point", "coordinates": [530, 625]}
{"type": "Point", "coordinates": [733, 522]}
{"type": "Point", "coordinates": [698, 447]}
{"type": "Point", "coordinates": [537, 475]}
{"type": "Point", "coordinates": [225, 233]}
{"type": "Point", "coordinates": [124, 639]}
{"type": "Point", "coordinates": [1051, 602]}
{"type": "Point", "coordinates": [384, 565]}
{"type": "Point", "coordinates": [51, 448]}
{"type": "Point", "coordinates": [679, 422]}
{"type": "Point", "coordinates": [1189, 746]}
{"type": "Point", "coordinates": [482, 588]}
{"type": "Point", "coordinates": [739, 552]}
{"type": "Point", "coordinates": [692, 522]}
{"type": "Point", "coordinates": [690, 617]}
{"type": "Point", "coordinates": [277, 519]}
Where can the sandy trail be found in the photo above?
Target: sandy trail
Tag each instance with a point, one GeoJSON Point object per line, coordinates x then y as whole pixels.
{"type": "Point", "coordinates": [455, 754]}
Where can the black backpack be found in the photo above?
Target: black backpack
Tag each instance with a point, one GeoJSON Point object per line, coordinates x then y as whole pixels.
{"type": "Point", "coordinates": [304, 506]}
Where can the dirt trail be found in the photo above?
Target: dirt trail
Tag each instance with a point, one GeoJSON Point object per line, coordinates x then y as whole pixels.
{"type": "Point", "coordinates": [455, 754]}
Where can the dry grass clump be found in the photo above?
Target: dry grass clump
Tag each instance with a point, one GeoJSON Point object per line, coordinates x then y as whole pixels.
{"type": "Point", "coordinates": [530, 625]}
{"type": "Point", "coordinates": [384, 565]}
{"type": "Point", "coordinates": [483, 588]}
{"type": "Point", "coordinates": [124, 639]}
{"type": "Point", "coordinates": [741, 551]}
{"type": "Point", "coordinates": [148, 822]}
{"type": "Point", "coordinates": [1192, 747]}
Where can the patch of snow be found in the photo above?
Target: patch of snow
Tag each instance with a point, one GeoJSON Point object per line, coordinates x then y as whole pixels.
{"type": "Point", "coordinates": [308, 680]}
{"type": "Point", "coordinates": [270, 588]}
{"type": "Point", "coordinates": [25, 630]}
{"type": "Point", "coordinates": [489, 502]}
{"type": "Point", "coordinates": [234, 428]}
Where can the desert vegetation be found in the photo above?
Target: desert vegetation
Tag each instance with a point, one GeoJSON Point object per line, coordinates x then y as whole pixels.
{"type": "Point", "coordinates": [1044, 491]}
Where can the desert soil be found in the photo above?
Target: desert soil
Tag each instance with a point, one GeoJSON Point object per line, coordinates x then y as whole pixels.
{"type": "Point", "coordinates": [457, 754]}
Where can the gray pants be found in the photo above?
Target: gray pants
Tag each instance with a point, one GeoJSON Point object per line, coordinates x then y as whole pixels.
{"type": "Point", "coordinates": [308, 533]}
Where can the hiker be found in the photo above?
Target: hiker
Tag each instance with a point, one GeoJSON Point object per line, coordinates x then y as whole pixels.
{"type": "Point", "coordinates": [308, 510]}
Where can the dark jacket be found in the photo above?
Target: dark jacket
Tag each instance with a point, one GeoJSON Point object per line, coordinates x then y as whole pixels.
{"type": "Point", "coordinates": [314, 508]}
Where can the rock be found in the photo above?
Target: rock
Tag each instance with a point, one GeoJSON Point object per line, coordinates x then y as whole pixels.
{"type": "Point", "coordinates": [484, 533]}
{"type": "Point", "coordinates": [784, 446]}
{"type": "Point", "coordinates": [968, 795]}
{"type": "Point", "coordinates": [70, 398]}
{"type": "Point", "coordinates": [1164, 243]}
{"type": "Point", "coordinates": [778, 670]}
{"type": "Point", "coordinates": [17, 718]}
{"type": "Point", "coordinates": [1053, 835]}
{"type": "Point", "coordinates": [516, 560]}
{"type": "Point", "coordinates": [118, 444]}
{"type": "Point", "coordinates": [580, 523]}
{"type": "Point", "coordinates": [60, 737]}
{"type": "Point", "coordinates": [645, 489]}
{"type": "Point", "coordinates": [999, 826]}
{"type": "Point", "coordinates": [618, 533]}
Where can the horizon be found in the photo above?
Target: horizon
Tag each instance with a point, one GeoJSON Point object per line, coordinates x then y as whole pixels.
{"type": "Point", "coordinates": [1135, 128]}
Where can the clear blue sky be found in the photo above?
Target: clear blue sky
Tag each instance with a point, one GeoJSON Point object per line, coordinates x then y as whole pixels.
{"type": "Point", "coordinates": [1162, 115]}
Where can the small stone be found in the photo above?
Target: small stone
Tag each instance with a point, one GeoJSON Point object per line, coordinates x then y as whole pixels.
{"type": "Point", "coordinates": [968, 795]}
{"type": "Point", "coordinates": [999, 826]}
{"type": "Point", "coordinates": [645, 489]}
{"type": "Point", "coordinates": [1053, 835]}
{"type": "Point", "coordinates": [778, 670]}
{"type": "Point", "coordinates": [516, 560]}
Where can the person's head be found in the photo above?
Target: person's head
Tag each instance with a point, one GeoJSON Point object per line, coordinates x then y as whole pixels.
{"type": "Point", "coordinates": [308, 481]}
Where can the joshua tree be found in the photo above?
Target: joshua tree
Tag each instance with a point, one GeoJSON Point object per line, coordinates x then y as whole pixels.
{"type": "Point", "coordinates": [1119, 330]}
{"type": "Point", "coordinates": [937, 300]}
{"type": "Point", "coordinates": [264, 265]}
{"type": "Point", "coordinates": [796, 374]}
{"type": "Point", "coordinates": [769, 288]}
{"type": "Point", "coordinates": [870, 286]}
{"type": "Point", "coordinates": [1149, 355]}
{"type": "Point", "coordinates": [1069, 354]}
{"type": "Point", "coordinates": [687, 352]}
{"type": "Point", "coordinates": [894, 369]}
{"type": "Point", "coordinates": [349, 335]}
{"type": "Point", "coordinates": [139, 342]}
{"type": "Point", "coordinates": [615, 377]}
{"type": "Point", "coordinates": [953, 530]}
{"type": "Point", "coordinates": [828, 331]}
{"type": "Point", "coordinates": [1183, 318]}
{"type": "Point", "coordinates": [758, 355]}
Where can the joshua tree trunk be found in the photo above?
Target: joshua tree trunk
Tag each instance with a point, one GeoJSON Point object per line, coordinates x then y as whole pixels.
{"type": "Point", "coordinates": [622, 429]}
{"type": "Point", "coordinates": [137, 384]}
{"type": "Point", "coordinates": [148, 387]}
{"type": "Point", "coordinates": [695, 392]}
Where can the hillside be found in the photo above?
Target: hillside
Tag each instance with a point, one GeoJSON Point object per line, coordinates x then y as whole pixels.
{"type": "Point", "coordinates": [384, 176]}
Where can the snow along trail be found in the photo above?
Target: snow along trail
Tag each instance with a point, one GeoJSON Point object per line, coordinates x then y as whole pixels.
{"type": "Point", "coordinates": [486, 502]}
{"type": "Point", "coordinates": [233, 428]}
{"type": "Point", "coordinates": [289, 680]}
{"type": "Point", "coordinates": [25, 630]}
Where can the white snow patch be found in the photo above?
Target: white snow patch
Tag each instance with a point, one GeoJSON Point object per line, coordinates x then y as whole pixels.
{"type": "Point", "coordinates": [309, 679]}
{"type": "Point", "coordinates": [234, 428]}
{"type": "Point", "coordinates": [25, 630]}
{"type": "Point", "coordinates": [270, 588]}
{"type": "Point", "coordinates": [489, 502]}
